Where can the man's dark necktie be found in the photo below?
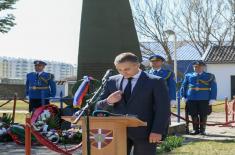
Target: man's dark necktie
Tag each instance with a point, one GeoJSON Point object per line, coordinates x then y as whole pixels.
{"type": "Point", "coordinates": [127, 91]}
{"type": "Point", "coordinates": [37, 75]}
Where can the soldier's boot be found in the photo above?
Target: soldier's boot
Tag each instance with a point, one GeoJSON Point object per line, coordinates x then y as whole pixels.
{"type": "Point", "coordinates": [195, 120]}
{"type": "Point", "coordinates": [203, 120]}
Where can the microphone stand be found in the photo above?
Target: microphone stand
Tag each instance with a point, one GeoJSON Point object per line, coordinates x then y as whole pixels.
{"type": "Point", "coordinates": [86, 109]}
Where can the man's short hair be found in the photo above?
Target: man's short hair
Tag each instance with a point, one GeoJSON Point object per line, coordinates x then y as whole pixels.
{"type": "Point", "coordinates": [126, 57]}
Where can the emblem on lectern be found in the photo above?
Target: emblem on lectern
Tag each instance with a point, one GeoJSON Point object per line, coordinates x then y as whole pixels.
{"type": "Point", "coordinates": [101, 137]}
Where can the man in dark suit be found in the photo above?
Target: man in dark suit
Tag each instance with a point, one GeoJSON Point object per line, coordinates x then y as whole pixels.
{"type": "Point", "coordinates": [137, 93]}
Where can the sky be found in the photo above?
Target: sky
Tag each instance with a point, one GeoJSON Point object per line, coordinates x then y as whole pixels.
{"type": "Point", "coordinates": [46, 29]}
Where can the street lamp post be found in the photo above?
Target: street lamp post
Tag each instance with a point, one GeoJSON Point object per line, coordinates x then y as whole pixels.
{"type": "Point", "coordinates": [171, 32]}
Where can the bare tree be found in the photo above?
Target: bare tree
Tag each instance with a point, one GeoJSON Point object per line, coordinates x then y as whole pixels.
{"type": "Point", "coordinates": [231, 19]}
{"type": "Point", "coordinates": [200, 23]}
{"type": "Point", "coordinates": [151, 21]}
{"type": "Point", "coordinates": [204, 22]}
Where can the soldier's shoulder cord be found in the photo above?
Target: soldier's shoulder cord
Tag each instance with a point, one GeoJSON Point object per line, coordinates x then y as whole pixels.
{"type": "Point", "coordinates": [51, 76]}
{"type": "Point", "coordinates": [211, 77]}
{"type": "Point", "coordinates": [168, 75]}
{"type": "Point", "coordinates": [206, 82]}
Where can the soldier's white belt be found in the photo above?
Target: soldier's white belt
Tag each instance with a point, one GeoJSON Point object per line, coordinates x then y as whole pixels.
{"type": "Point", "coordinates": [39, 88]}
{"type": "Point", "coordinates": [197, 88]}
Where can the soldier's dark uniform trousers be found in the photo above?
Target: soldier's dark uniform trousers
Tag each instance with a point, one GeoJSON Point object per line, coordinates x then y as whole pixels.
{"type": "Point", "coordinates": [198, 90]}
{"type": "Point", "coordinates": [39, 87]}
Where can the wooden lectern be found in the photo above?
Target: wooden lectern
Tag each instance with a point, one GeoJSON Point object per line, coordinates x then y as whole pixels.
{"type": "Point", "coordinates": [107, 134]}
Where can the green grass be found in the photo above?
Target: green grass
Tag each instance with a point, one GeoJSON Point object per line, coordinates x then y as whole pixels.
{"type": "Point", "coordinates": [218, 107]}
{"type": "Point", "coordinates": [19, 118]}
{"type": "Point", "coordinates": [206, 148]}
{"type": "Point", "coordinates": [170, 143]}
{"type": "Point", "coordinates": [20, 105]}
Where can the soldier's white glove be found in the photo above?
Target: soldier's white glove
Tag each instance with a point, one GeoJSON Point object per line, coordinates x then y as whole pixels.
{"type": "Point", "coordinates": [27, 97]}
{"type": "Point", "coordinates": [184, 100]}
{"type": "Point", "coordinates": [212, 102]}
{"type": "Point", "coordinates": [173, 103]}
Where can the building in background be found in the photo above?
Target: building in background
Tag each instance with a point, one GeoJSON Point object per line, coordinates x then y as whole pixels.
{"type": "Point", "coordinates": [220, 61]}
{"type": "Point", "coordinates": [17, 68]}
{"type": "Point", "coordinates": [186, 54]}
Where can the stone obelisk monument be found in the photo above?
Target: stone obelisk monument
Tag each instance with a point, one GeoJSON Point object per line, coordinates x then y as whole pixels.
{"type": "Point", "coordinates": [107, 29]}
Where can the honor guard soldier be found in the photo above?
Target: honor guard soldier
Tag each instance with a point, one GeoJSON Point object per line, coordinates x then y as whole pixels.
{"type": "Point", "coordinates": [199, 91]}
{"type": "Point", "coordinates": [156, 62]}
{"type": "Point", "coordinates": [40, 86]}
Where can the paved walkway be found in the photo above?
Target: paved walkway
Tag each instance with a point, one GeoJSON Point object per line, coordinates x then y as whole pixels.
{"type": "Point", "coordinates": [13, 149]}
{"type": "Point", "coordinates": [213, 132]}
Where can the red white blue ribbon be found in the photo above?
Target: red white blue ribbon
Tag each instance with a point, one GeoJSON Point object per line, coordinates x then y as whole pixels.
{"type": "Point", "coordinates": [81, 92]}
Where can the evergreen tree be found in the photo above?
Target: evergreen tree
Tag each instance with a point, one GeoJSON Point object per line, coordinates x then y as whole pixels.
{"type": "Point", "coordinates": [6, 19]}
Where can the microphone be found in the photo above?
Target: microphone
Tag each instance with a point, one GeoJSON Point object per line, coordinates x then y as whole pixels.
{"type": "Point", "coordinates": [108, 73]}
